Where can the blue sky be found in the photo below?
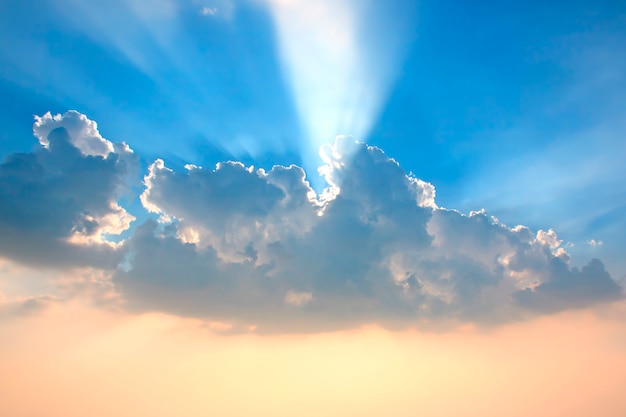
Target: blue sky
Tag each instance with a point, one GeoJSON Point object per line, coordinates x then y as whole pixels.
{"type": "Point", "coordinates": [518, 107]}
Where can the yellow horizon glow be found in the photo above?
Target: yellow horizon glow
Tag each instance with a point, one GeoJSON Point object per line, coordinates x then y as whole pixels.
{"type": "Point", "coordinates": [74, 361]}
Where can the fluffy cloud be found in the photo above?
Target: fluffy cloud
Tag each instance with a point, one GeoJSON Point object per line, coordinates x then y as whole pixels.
{"type": "Point", "coordinates": [247, 246]}
{"type": "Point", "coordinates": [60, 202]}
{"type": "Point", "coordinates": [82, 133]}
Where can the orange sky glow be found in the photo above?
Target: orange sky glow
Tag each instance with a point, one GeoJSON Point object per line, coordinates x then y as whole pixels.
{"type": "Point", "coordinates": [72, 361]}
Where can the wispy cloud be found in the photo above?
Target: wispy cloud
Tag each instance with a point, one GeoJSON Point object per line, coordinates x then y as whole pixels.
{"type": "Point", "coordinates": [208, 11]}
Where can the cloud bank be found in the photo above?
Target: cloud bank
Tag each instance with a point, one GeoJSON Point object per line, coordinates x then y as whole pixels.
{"type": "Point", "coordinates": [260, 248]}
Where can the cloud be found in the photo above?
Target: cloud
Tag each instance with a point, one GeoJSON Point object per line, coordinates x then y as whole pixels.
{"type": "Point", "coordinates": [223, 9]}
{"type": "Point", "coordinates": [250, 248]}
{"type": "Point", "coordinates": [570, 287]}
{"type": "Point", "coordinates": [25, 306]}
{"type": "Point", "coordinates": [208, 11]}
{"type": "Point", "coordinates": [82, 133]}
{"type": "Point", "coordinates": [59, 202]}
{"type": "Point", "coordinates": [298, 298]}
{"type": "Point", "coordinates": [246, 246]}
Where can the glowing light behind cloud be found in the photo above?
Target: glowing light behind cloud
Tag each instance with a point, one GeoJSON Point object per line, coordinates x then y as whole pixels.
{"type": "Point", "coordinates": [340, 76]}
{"type": "Point", "coordinates": [329, 67]}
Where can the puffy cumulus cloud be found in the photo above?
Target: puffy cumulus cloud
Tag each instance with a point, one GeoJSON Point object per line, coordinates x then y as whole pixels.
{"type": "Point", "coordinates": [82, 133]}
{"type": "Point", "coordinates": [232, 206]}
{"type": "Point", "coordinates": [249, 248]}
{"type": "Point", "coordinates": [246, 246]}
{"type": "Point", "coordinates": [568, 288]}
{"type": "Point", "coordinates": [59, 203]}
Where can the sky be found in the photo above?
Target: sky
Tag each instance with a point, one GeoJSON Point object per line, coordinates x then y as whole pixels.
{"type": "Point", "coordinates": [321, 207]}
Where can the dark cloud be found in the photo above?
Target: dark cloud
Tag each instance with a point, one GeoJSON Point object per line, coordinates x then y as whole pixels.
{"type": "Point", "coordinates": [571, 287]}
{"type": "Point", "coordinates": [58, 202]}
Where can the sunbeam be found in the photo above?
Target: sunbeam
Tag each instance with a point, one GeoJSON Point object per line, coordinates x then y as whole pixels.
{"type": "Point", "coordinates": [340, 58]}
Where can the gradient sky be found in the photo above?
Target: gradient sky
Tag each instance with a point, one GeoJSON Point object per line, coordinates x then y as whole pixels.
{"type": "Point", "coordinates": [346, 207]}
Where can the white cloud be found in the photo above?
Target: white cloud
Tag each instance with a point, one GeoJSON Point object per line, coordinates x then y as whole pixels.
{"type": "Point", "coordinates": [208, 11]}
{"type": "Point", "coordinates": [250, 247]}
{"type": "Point", "coordinates": [113, 222]}
{"type": "Point", "coordinates": [83, 133]}
{"type": "Point", "coordinates": [231, 206]}
{"type": "Point", "coordinates": [382, 250]}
